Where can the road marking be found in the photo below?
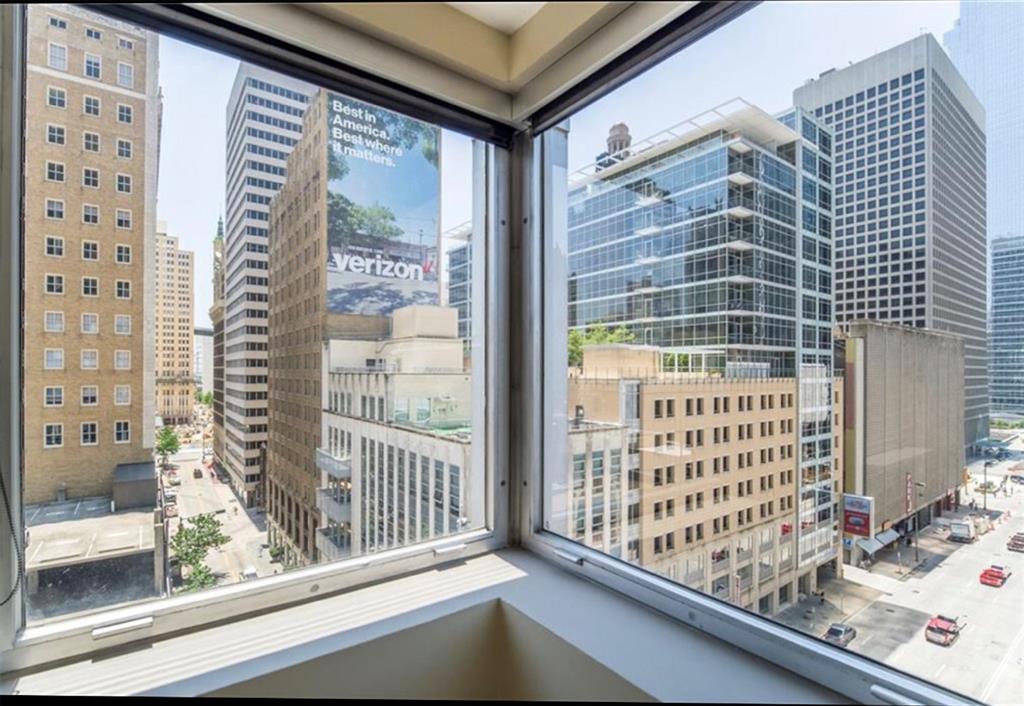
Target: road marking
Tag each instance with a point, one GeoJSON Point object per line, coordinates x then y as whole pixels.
{"type": "Point", "coordinates": [938, 671]}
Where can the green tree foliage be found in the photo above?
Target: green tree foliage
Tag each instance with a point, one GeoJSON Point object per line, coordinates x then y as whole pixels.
{"type": "Point", "coordinates": [675, 361]}
{"type": "Point", "coordinates": [593, 335]}
{"type": "Point", "coordinates": [192, 542]}
{"type": "Point", "coordinates": [167, 443]}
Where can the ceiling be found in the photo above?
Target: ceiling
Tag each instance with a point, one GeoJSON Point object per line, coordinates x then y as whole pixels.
{"type": "Point", "coordinates": [506, 17]}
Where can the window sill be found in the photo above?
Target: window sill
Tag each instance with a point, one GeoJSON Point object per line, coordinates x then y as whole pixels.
{"type": "Point", "coordinates": [654, 654]}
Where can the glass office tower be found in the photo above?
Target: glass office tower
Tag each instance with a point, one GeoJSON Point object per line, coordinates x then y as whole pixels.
{"type": "Point", "coordinates": [1007, 338]}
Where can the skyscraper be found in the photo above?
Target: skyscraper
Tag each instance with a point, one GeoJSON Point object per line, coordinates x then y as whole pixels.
{"type": "Point", "coordinates": [910, 199]}
{"type": "Point", "coordinates": [1007, 339]}
{"type": "Point", "coordinates": [264, 119]}
{"type": "Point", "coordinates": [91, 151]}
{"type": "Point", "coordinates": [174, 323]}
{"type": "Point", "coordinates": [217, 321]}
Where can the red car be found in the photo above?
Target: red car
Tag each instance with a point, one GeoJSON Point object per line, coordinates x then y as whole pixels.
{"type": "Point", "coordinates": [942, 630]}
{"type": "Point", "coordinates": [994, 576]}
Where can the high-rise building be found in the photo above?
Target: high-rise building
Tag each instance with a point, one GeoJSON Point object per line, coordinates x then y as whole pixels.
{"type": "Point", "coordinates": [175, 321]}
{"type": "Point", "coordinates": [1007, 327]}
{"type": "Point", "coordinates": [204, 359]}
{"type": "Point", "coordinates": [264, 119]}
{"type": "Point", "coordinates": [460, 277]}
{"type": "Point", "coordinates": [91, 151]}
{"type": "Point", "coordinates": [712, 243]}
{"type": "Point", "coordinates": [695, 475]}
{"type": "Point", "coordinates": [910, 199]}
{"type": "Point", "coordinates": [985, 45]}
{"type": "Point", "coordinates": [217, 321]}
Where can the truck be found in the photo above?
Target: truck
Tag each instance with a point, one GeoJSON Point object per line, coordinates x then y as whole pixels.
{"type": "Point", "coordinates": [962, 531]}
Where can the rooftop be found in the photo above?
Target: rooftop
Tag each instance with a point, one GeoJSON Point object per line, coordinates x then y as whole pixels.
{"type": "Point", "coordinates": [79, 531]}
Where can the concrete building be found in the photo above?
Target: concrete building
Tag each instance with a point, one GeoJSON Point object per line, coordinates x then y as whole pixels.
{"type": "Point", "coordinates": [1007, 326]}
{"type": "Point", "coordinates": [264, 119]}
{"type": "Point", "coordinates": [91, 156]}
{"type": "Point", "coordinates": [910, 243]}
{"type": "Point", "coordinates": [174, 328]}
{"type": "Point", "coordinates": [217, 320]}
{"type": "Point", "coordinates": [698, 476]}
{"type": "Point", "coordinates": [204, 359]}
{"type": "Point", "coordinates": [904, 407]}
{"type": "Point", "coordinates": [396, 464]}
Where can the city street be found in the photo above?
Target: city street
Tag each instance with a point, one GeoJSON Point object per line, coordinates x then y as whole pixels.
{"type": "Point", "coordinates": [890, 605]}
{"type": "Point", "coordinates": [245, 527]}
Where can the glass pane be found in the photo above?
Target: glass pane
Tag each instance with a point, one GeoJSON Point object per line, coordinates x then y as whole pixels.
{"type": "Point", "coordinates": [751, 282]}
{"type": "Point", "coordinates": [277, 283]}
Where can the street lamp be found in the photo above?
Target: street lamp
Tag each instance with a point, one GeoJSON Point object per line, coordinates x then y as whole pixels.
{"type": "Point", "coordinates": [917, 523]}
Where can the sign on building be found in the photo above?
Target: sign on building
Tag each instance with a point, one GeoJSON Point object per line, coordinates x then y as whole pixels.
{"type": "Point", "coordinates": [383, 209]}
{"type": "Point", "coordinates": [858, 514]}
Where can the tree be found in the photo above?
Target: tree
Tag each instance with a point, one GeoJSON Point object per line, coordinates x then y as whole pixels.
{"type": "Point", "coordinates": [594, 335]}
{"type": "Point", "coordinates": [192, 542]}
{"type": "Point", "coordinates": [208, 398]}
{"type": "Point", "coordinates": [167, 443]}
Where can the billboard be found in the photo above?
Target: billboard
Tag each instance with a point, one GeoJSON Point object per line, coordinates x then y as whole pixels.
{"type": "Point", "coordinates": [858, 514]}
{"type": "Point", "coordinates": [383, 209]}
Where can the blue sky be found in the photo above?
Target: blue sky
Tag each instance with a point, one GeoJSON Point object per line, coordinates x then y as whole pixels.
{"type": "Point", "coordinates": [760, 57]}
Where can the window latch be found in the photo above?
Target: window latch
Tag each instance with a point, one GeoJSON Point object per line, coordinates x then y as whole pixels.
{"type": "Point", "coordinates": [568, 556]}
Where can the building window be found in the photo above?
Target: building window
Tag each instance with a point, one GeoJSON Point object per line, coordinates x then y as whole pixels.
{"type": "Point", "coordinates": [90, 142]}
{"type": "Point", "coordinates": [123, 43]}
{"type": "Point", "coordinates": [55, 134]}
{"type": "Point", "coordinates": [90, 359]}
{"type": "Point", "coordinates": [55, 209]}
{"type": "Point", "coordinates": [92, 66]}
{"type": "Point", "coordinates": [90, 178]}
{"type": "Point", "coordinates": [54, 171]}
{"type": "Point", "coordinates": [56, 97]}
{"type": "Point", "coordinates": [53, 359]}
{"type": "Point", "coordinates": [122, 395]}
{"type": "Point", "coordinates": [53, 436]}
{"type": "Point", "coordinates": [122, 360]}
{"type": "Point", "coordinates": [90, 287]}
{"type": "Point", "coordinates": [124, 183]}
{"type": "Point", "coordinates": [54, 284]}
{"type": "Point", "coordinates": [90, 214]}
{"type": "Point", "coordinates": [125, 75]}
{"type": "Point", "coordinates": [124, 219]}
{"type": "Point", "coordinates": [91, 105]}
{"type": "Point", "coordinates": [123, 289]}
{"type": "Point", "coordinates": [90, 323]}
{"type": "Point", "coordinates": [122, 324]}
{"type": "Point", "coordinates": [57, 22]}
{"type": "Point", "coordinates": [124, 148]}
{"type": "Point", "coordinates": [54, 246]}
{"type": "Point", "coordinates": [124, 113]}
{"type": "Point", "coordinates": [90, 250]}
{"type": "Point", "coordinates": [93, 33]}
{"type": "Point", "coordinates": [122, 432]}
{"type": "Point", "coordinates": [53, 322]}
{"type": "Point", "coordinates": [89, 434]}
{"type": "Point", "coordinates": [53, 396]}
{"type": "Point", "coordinates": [123, 254]}
{"type": "Point", "coordinates": [90, 395]}
{"type": "Point", "coordinates": [58, 57]}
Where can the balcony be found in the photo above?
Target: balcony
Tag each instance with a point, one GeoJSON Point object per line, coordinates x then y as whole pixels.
{"type": "Point", "coordinates": [767, 546]}
{"type": "Point", "coordinates": [746, 582]}
{"type": "Point", "coordinates": [765, 572]}
{"type": "Point", "coordinates": [720, 565]}
{"type": "Point", "coordinates": [332, 545]}
{"type": "Point", "coordinates": [330, 503]}
{"type": "Point", "coordinates": [722, 593]}
{"type": "Point", "coordinates": [786, 564]}
{"type": "Point", "coordinates": [743, 555]}
{"type": "Point", "coordinates": [335, 467]}
{"type": "Point", "coordinates": [696, 576]}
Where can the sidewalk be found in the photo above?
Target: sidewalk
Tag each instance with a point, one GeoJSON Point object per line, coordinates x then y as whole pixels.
{"type": "Point", "coordinates": [843, 599]}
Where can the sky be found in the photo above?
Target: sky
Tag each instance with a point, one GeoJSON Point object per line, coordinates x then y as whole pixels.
{"type": "Point", "coordinates": [760, 57]}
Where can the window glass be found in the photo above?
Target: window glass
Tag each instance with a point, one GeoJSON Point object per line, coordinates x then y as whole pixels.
{"type": "Point", "coordinates": [690, 243]}
{"type": "Point", "coordinates": [219, 189]}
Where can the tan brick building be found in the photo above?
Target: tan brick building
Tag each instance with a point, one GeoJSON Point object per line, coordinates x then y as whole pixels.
{"type": "Point", "coordinates": [698, 475]}
{"type": "Point", "coordinates": [91, 146]}
{"type": "Point", "coordinates": [174, 327]}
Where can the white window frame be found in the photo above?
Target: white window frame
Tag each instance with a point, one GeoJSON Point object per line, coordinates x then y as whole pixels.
{"type": "Point", "coordinates": [86, 58]}
{"type": "Point", "coordinates": [122, 317]}
{"type": "Point", "coordinates": [57, 241]}
{"type": "Point", "coordinates": [117, 253]}
{"type": "Point", "coordinates": [95, 357]}
{"type": "Point", "coordinates": [82, 289]}
{"type": "Point", "coordinates": [51, 92]}
{"type": "Point", "coordinates": [99, 106]}
{"type": "Point", "coordinates": [96, 318]}
{"type": "Point", "coordinates": [125, 179]}
{"type": "Point", "coordinates": [99, 33]}
{"type": "Point", "coordinates": [117, 287]}
{"type": "Point", "coordinates": [87, 181]}
{"type": "Point", "coordinates": [49, 56]}
{"type": "Point", "coordinates": [63, 132]}
{"type": "Point", "coordinates": [123, 388]}
{"type": "Point", "coordinates": [56, 22]}
{"type": "Point", "coordinates": [46, 321]}
{"type": "Point", "coordinates": [128, 430]}
{"type": "Point", "coordinates": [46, 396]}
{"type": "Point", "coordinates": [63, 172]}
{"type": "Point", "coordinates": [63, 209]}
{"type": "Point", "coordinates": [91, 242]}
{"type": "Point", "coordinates": [95, 431]}
{"type": "Point", "coordinates": [121, 141]}
{"type": "Point", "coordinates": [95, 396]}
{"type": "Point", "coordinates": [99, 142]}
{"type": "Point", "coordinates": [63, 284]}
{"type": "Point", "coordinates": [53, 350]}
{"type": "Point", "coordinates": [130, 113]}
{"type": "Point", "coordinates": [131, 68]}
{"type": "Point", "coordinates": [46, 435]}
{"type": "Point", "coordinates": [118, 214]}
{"type": "Point", "coordinates": [127, 354]}
{"type": "Point", "coordinates": [88, 206]}
{"type": "Point", "coordinates": [125, 43]}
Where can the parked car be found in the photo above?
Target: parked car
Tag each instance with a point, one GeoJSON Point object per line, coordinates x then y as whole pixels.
{"type": "Point", "coordinates": [942, 630]}
{"type": "Point", "coordinates": [173, 479]}
{"type": "Point", "coordinates": [1015, 544]}
{"type": "Point", "coordinates": [840, 634]}
{"type": "Point", "coordinates": [1017, 478]}
{"type": "Point", "coordinates": [994, 576]}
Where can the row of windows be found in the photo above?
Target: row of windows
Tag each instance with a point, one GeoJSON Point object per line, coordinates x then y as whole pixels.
{"type": "Point", "coordinates": [89, 395]}
{"type": "Point", "coordinates": [90, 177]}
{"type": "Point", "coordinates": [53, 322]}
{"type": "Point", "coordinates": [91, 32]}
{"type": "Point", "coordinates": [53, 359]}
{"type": "Point", "coordinates": [92, 65]}
{"type": "Point", "coordinates": [54, 247]}
{"type": "Point", "coordinates": [54, 284]}
{"type": "Point", "coordinates": [57, 135]}
{"type": "Point", "coordinates": [53, 434]}
{"type": "Point", "coordinates": [54, 210]}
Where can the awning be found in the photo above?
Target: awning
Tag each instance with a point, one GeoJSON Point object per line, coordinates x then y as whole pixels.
{"type": "Point", "coordinates": [869, 545]}
{"type": "Point", "coordinates": [887, 537]}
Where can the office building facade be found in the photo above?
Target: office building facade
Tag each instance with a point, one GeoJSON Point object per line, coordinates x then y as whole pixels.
{"type": "Point", "coordinates": [910, 244]}
{"type": "Point", "coordinates": [174, 328]}
{"type": "Point", "coordinates": [91, 164]}
{"type": "Point", "coordinates": [217, 323]}
{"type": "Point", "coordinates": [1007, 326]}
{"type": "Point", "coordinates": [204, 359]}
{"type": "Point", "coordinates": [264, 120]}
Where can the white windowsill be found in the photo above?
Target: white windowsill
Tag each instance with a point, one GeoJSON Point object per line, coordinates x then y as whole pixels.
{"type": "Point", "coordinates": [654, 653]}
